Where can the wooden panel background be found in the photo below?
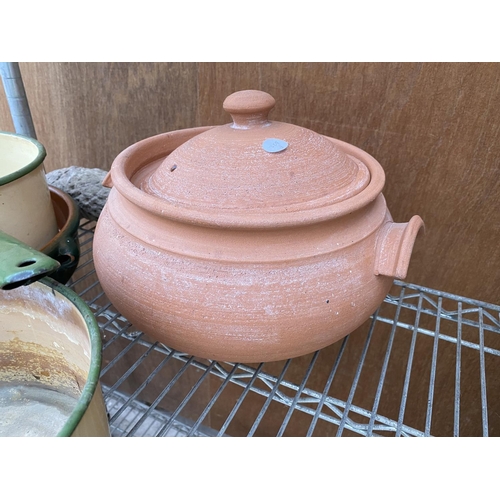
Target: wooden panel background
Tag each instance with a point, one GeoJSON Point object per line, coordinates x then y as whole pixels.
{"type": "Point", "coordinates": [434, 127]}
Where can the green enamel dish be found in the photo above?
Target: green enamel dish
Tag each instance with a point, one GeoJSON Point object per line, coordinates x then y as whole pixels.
{"type": "Point", "coordinates": [50, 361]}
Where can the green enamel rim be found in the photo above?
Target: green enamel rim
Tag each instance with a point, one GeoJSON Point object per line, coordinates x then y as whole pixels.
{"type": "Point", "coordinates": [95, 356]}
{"type": "Point", "coordinates": [30, 166]}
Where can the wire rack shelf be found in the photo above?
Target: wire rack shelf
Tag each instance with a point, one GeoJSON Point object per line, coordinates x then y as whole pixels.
{"type": "Point", "coordinates": [427, 363]}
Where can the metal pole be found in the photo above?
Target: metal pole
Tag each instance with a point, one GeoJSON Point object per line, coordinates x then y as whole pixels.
{"type": "Point", "coordinates": [16, 97]}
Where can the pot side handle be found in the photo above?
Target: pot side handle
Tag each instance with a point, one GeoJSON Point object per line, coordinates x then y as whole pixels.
{"type": "Point", "coordinates": [394, 247]}
{"type": "Point", "coordinates": [107, 181]}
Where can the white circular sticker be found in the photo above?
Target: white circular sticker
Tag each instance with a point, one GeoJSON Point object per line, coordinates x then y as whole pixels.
{"type": "Point", "coordinates": [274, 145]}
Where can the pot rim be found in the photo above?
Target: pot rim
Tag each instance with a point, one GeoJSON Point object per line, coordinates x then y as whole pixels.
{"type": "Point", "coordinates": [42, 153]}
{"type": "Point", "coordinates": [133, 158]}
{"type": "Point", "coordinates": [64, 245]}
{"type": "Point", "coordinates": [69, 226]}
{"type": "Point", "coordinates": [92, 381]}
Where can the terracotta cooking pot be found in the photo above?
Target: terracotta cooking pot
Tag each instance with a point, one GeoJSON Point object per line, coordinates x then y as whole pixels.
{"type": "Point", "coordinates": [252, 241]}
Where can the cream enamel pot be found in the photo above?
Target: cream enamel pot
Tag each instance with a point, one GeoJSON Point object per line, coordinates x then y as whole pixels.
{"type": "Point", "coordinates": [50, 361]}
{"type": "Point", "coordinates": [50, 351]}
{"type": "Point", "coordinates": [248, 242]}
{"type": "Point", "coordinates": [26, 211]}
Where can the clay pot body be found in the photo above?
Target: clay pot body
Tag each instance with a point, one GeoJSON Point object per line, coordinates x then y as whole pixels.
{"type": "Point", "coordinates": [239, 269]}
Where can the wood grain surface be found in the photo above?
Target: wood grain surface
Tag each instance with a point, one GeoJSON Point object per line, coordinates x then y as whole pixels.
{"type": "Point", "coordinates": [85, 114]}
{"type": "Point", "coordinates": [434, 127]}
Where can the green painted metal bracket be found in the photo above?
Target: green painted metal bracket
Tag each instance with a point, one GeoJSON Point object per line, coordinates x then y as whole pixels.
{"type": "Point", "coordinates": [21, 264]}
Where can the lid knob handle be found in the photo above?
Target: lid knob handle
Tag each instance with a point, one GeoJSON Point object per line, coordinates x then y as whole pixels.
{"type": "Point", "coordinates": [249, 108]}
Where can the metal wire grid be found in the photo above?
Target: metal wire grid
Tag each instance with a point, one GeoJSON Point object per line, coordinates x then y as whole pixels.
{"type": "Point", "coordinates": [420, 327]}
{"type": "Point", "coordinates": [130, 412]}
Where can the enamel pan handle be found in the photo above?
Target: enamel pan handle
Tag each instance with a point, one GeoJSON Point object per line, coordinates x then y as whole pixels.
{"type": "Point", "coordinates": [394, 247]}
{"type": "Point", "coordinates": [21, 264]}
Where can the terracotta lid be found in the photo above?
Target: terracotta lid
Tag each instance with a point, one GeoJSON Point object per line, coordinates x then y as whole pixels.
{"type": "Point", "coordinates": [255, 165]}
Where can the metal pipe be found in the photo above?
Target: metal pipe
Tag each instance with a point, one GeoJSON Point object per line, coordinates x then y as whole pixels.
{"type": "Point", "coordinates": [16, 98]}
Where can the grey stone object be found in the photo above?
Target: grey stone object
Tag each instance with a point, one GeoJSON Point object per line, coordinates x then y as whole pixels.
{"type": "Point", "coordinates": [84, 185]}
